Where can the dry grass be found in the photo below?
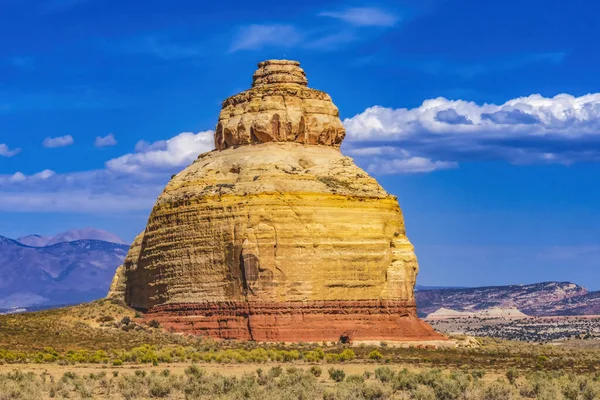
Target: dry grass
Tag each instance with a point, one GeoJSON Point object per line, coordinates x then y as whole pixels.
{"type": "Point", "coordinates": [265, 383]}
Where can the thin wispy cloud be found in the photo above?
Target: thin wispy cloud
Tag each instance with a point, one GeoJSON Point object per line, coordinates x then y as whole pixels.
{"type": "Point", "coordinates": [332, 41]}
{"type": "Point", "coordinates": [105, 141]}
{"type": "Point", "coordinates": [5, 151]}
{"type": "Point", "coordinates": [364, 16]}
{"type": "Point", "coordinates": [253, 37]}
{"type": "Point", "coordinates": [161, 47]}
{"type": "Point", "coordinates": [60, 141]}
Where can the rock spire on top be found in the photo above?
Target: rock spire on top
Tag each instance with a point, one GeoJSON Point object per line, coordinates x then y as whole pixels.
{"type": "Point", "coordinates": [279, 108]}
{"type": "Point", "coordinates": [279, 71]}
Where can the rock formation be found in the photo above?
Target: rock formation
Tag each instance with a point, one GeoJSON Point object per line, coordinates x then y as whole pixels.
{"type": "Point", "coordinates": [275, 235]}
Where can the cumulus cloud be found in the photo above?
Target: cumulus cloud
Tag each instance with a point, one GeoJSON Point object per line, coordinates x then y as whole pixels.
{"type": "Point", "coordinates": [178, 151]}
{"type": "Point", "coordinates": [253, 37]}
{"type": "Point", "coordinates": [534, 129]}
{"type": "Point", "coordinates": [364, 16]}
{"type": "Point", "coordinates": [408, 165]}
{"type": "Point", "coordinates": [60, 141]}
{"type": "Point", "coordinates": [5, 151]}
{"type": "Point", "coordinates": [131, 182]}
{"type": "Point", "coordinates": [105, 141]}
{"type": "Point", "coordinates": [21, 177]}
{"type": "Point", "coordinates": [388, 160]}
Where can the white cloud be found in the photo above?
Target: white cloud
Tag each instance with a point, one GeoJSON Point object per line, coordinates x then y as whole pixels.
{"type": "Point", "coordinates": [60, 141]}
{"type": "Point", "coordinates": [253, 37]}
{"type": "Point", "coordinates": [388, 160]}
{"type": "Point", "coordinates": [21, 177]}
{"type": "Point", "coordinates": [128, 183]}
{"type": "Point", "coordinates": [178, 151]}
{"type": "Point", "coordinates": [562, 129]}
{"type": "Point", "coordinates": [408, 165]}
{"type": "Point", "coordinates": [105, 141]}
{"type": "Point", "coordinates": [364, 16]}
{"type": "Point", "coordinates": [5, 151]}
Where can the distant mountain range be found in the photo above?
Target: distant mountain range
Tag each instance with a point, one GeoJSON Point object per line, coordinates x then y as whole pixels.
{"type": "Point", "coordinates": [71, 267]}
{"type": "Point", "coordinates": [539, 299]}
{"type": "Point", "coordinates": [70, 236]}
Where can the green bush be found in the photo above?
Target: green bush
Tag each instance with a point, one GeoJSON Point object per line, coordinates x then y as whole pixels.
{"type": "Point", "coordinates": [384, 374]}
{"type": "Point", "coordinates": [160, 387]}
{"type": "Point", "coordinates": [275, 372]}
{"type": "Point", "coordinates": [336, 375]}
{"type": "Point", "coordinates": [347, 355]}
{"type": "Point", "coordinates": [512, 375]}
{"type": "Point", "coordinates": [375, 355]}
{"type": "Point", "coordinates": [316, 370]}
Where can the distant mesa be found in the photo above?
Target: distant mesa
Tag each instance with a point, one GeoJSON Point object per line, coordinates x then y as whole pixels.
{"type": "Point", "coordinates": [493, 312]}
{"type": "Point", "coordinates": [275, 235]}
{"type": "Point", "coordinates": [538, 299]}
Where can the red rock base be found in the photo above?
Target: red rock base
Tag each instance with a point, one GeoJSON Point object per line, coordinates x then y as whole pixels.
{"type": "Point", "coordinates": [313, 321]}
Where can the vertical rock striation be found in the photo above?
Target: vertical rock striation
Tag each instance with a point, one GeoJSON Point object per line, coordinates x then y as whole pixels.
{"type": "Point", "coordinates": [275, 235]}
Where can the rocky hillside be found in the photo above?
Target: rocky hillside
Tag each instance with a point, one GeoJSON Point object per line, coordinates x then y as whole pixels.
{"type": "Point", "coordinates": [540, 299]}
{"type": "Point", "coordinates": [62, 273]}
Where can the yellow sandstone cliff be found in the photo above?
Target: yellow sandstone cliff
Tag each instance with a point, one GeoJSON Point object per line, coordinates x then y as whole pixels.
{"type": "Point", "coordinates": [276, 235]}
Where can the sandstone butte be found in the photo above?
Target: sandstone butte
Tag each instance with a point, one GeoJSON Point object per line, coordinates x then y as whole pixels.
{"type": "Point", "coordinates": [275, 235]}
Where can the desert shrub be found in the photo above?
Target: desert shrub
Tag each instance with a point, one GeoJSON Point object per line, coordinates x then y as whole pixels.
{"type": "Point", "coordinates": [405, 381]}
{"type": "Point", "coordinates": [19, 385]}
{"type": "Point", "coordinates": [132, 386]}
{"type": "Point", "coordinates": [316, 370]}
{"type": "Point", "coordinates": [374, 391]}
{"type": "Point", "coordinates": [478, 373]}
{"type": "Point", "coordinates": [194, 370]}
{"type": "Point", "coordinates": [422, 392]}
{"type": "Point", "coordinates": [275, 372]}
{"type": "Point", "coordinates": [160, 386]}
{"type": "Point", "coordinates": [347, 355]}
{"type": "Point", "coordinates": [292, 370]}
{"type": "Point", "coordinates": [154, 324]}
{"type": "Point", "coordinates": [141, 373]}
{"type": "Point", "coordinates": [354, 378]}
{"type": "Point", "coordinates": [336, 374]}
{"type": "Point", "coordinates": [384, 374]}
{"type": "Point", "coordinates": [375, 355]}
{"type": "Point", "coordinates": [446, 388]}
{"type": "Point", "coordinates": [512, 375]}
{"type": "Point", "coordinates": [315, 355]}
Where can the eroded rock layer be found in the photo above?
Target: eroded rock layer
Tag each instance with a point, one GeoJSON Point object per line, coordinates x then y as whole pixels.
{"type": "Point", "coordinates": [311, 321]}
{"type": "Point", "coordinates": [279, 108]}
{"type": "Point", "coordinates": [276, 239]}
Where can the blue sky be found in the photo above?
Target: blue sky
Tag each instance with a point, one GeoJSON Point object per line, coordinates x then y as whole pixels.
{"type": "Point", "coordinates": [482, 117]}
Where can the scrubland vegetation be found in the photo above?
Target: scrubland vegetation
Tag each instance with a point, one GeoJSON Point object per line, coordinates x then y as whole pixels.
{"type": "Point", "coordinates": [130, 358]}
{"type": "Point", "coordinates": [279, 383]}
